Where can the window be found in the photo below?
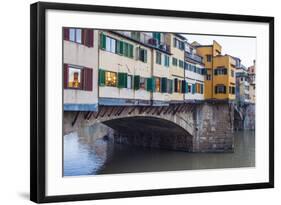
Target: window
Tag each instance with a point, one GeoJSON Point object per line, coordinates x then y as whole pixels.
{"type": "Point", "coordinates": [110, 45]}
{"type": "Point", "coordinates": [110, 78]}
{"type": "Point", "coordinates": [208, 77]}
{"type": "Point", "coordinates": [157, 84]}
{"type": "Point", "coordinates": [178, 44]}
{"type": "Point", "coordinates": [143, 55]}
{"type": "Point", "coordinates": [179, 86]}
{"type": "Point", "coordinates": [231, 90]}
{"type": "Point", "coordinates": [209, 58]}
{"type": "Point", "coordinates": [220, 89]}
{"type": "Point", "coordinates": [129, 81]}
{"type": "Point", "coordinates": [220, 71]}
{"type": "Point", "coordinates": [189, 88]}
{"type": "Point", "coordinates": [81, 36]}
{"type": "Point", "coordinates": [142, 83]}
{"type": "Point", "coordinates": [232, 73]}
{"type": "Point", "coordinates": [175, 61]}
{"type": "Point", "coordinates": [158, 57]}
{"type": "Point", "coordinates": [74, 77]}
{"type": "Point", "coordinates": [167, 61]}
{"type": "Point", "coordinates": [169, 86]}
{"type": "Point", "coordinates": [75, 35]}
{"type": "Point", "coordinates": [181, 64]}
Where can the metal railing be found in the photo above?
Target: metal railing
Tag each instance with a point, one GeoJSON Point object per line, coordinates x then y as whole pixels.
{"type": "Point", "coordinates": [195, 57]}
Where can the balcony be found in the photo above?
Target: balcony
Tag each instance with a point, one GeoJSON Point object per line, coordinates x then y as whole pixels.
{"type": "Point", "coordinates": [194, 57]}
{"type": "Point", "coordinates": [146, 39]}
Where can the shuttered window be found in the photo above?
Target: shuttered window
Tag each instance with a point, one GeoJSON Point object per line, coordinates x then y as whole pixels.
{"type": "Point", "coordinates": [87, 79]}
{"type": "Point", "coordinates": [122, 80]}
{"type": "Point", "coordinates": [175, 62]}
{"type": "Point", "coordinates": [193, 88]}
{"type": "Point", "coordinates": [181, 64]}
{"type": "Point", "coordinates": [150, 84]}
{"type": "Point", "coordinates": [119, 47]}
{"type": "Point", "coordinates": [76, 77]}
{"type": "Point", "coordinates": [167, 61]}
{"type": "Point", "coordinates": [101, 77]}
{"type": "Point", "coordinates": [163, 85]}
{"type": "Point", "coordinates": [103, 41]}
{"type": "Point", "coordinates": [183, 86]}
{"type": "Point", "coordinates": [136, 82]}
{"type": "Point", "coordinates": [143, 55]}
{"type": "Point", "coordinates": [186, 87]}
{"type": "Point", "coordinates": [78, 35]}
{"type": "Point", "coordinates": [158, 58]}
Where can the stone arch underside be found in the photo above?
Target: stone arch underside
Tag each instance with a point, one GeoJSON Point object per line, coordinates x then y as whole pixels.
{"type": "Point", "coordinates": [151, 132]}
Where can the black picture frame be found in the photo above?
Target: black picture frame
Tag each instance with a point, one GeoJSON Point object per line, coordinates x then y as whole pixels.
{"type": "Point", "coordinates": [38, 100]}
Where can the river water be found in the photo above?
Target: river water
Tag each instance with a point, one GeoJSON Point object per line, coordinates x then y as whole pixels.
{"type": "Point", "coordinates": [85, 154]}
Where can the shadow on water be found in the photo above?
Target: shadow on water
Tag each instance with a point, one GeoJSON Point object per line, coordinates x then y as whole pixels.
{"type": "Point", "coordinates": [92, 151]}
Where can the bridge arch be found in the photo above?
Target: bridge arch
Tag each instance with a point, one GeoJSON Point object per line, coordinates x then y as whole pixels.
{"type": "Point", "coordinates": [150, 131]}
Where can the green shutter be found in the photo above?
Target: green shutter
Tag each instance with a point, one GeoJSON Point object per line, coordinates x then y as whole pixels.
{"type": "Point", "coordinates": [126, 49]}
{"type": "Point", "coordinates": [157, 36]}
{"type": "Point", "coordinates": [145, 56]}
{"type": "Point", "coordinates": [119, 47]}
{"type": "Point", "coordinates": [122, 80]}
{"type": "Point", "coordinates": [186, 87]}
{"type": "Point", "coordinates": [149, 84]}
{"type": "Point", "coordinates": [103, 41]}
{"type": "Point", "coordinates": [193, 88]}
{"type": "Point", "coordinates": [136, 82]}
{"type": "Point", "coordinates": [131, 50]}
{"type": "Point", "coordinates": [101, 77]}
{"type": "Point", "coordinates": [153, 84]}
{"type": "Point", "coordinates": [163, 85]}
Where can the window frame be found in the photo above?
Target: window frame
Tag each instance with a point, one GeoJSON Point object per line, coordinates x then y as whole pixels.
{"type": "Point", "coordinates": [69, 66]}
{"type": "Point", "coordinates": [116, 75]}
{"type": "Point", "coordinates": [75, 35]}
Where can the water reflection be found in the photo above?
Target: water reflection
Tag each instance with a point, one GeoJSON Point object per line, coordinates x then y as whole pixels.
{"type": "Point", "coordinates": [88, 153]}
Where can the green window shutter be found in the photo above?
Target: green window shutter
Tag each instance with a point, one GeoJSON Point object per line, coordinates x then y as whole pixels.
{"type": "Point", "coordinates": [122, 80]}
{"type": "Point", "coordinates": [136, 82]}
{"type": "Point", "coordinates": [186, 87]}
{"type": "Point", "coordinates": [153, 84]}
{"type": "Point", "coordinates": [183, 86]}
{"type": "Point", "coordinates": [131, 50]}
{"type": "Point", "coordinates": [149, 84]}
{"type": "Point", "coordinates": [145, 56]}
{"type": "Point", "coordinates": [163, 85]}
{"type": "Point", "coordinates": [119, 47]}
{"type": "Point", "coordinates": [126, 49]}
{"type": "Point", "coordinates": [103, 41]}
{"type": "Point", "coordinates": [193, 88]}
{"type": "Point", "coordinates": [101, 77]}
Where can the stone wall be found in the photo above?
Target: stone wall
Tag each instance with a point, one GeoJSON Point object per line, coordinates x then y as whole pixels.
{"type": "Point", "coordinates": [214, 128]}
{"type": "Point", "coordinates": [249, 117]}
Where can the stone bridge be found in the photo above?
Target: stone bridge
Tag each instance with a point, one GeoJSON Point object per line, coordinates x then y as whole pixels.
{"type": "Point", "coordinates": [191, 127]}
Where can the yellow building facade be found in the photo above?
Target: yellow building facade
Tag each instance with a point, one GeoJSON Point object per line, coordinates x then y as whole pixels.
{"type": "Point", "coordinates": [220, 75]}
